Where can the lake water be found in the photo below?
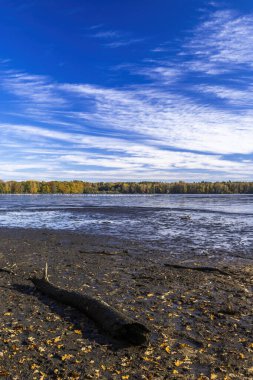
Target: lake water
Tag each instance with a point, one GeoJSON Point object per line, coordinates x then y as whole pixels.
{"type": "Point", "coordinates": [178, 222]}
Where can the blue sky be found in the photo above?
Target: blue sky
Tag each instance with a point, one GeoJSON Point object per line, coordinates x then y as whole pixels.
{"type": "Point", "coordinates": [126, 90]}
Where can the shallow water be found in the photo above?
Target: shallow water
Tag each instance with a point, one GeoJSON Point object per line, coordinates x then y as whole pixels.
{"type": "Point", "coordinates": [178, 222]}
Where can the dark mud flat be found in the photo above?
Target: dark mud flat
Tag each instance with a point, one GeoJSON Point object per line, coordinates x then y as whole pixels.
{"type": "Point", "coordinates": [200, 321]}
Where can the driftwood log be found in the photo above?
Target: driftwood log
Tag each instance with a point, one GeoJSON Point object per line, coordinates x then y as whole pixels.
{"type": "Point", "coordinates": [198, 268]}
{"type": "Point", "coordinates": [106, 317]}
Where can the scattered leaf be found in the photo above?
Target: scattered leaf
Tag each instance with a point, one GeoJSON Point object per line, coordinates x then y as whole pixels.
{"type": "Point", "coordinates": [66, 357]}
{"type": "Point", "coordinates": [4, 373]}
{"type": "Point", "coordinates": [178, 363]}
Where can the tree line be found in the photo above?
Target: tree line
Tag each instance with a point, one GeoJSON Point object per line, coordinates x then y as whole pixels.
{"type": "Point", "coordinates": [81, 187]}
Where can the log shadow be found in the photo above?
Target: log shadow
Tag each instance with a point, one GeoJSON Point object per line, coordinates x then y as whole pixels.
{"type": "Point", "coordinates": [79, 320]}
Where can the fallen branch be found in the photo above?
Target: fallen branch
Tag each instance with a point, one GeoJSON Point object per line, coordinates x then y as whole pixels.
{"type": "Point", "coordinates": [101, 253]}
{"type": "Point", "coordinates": [5, 270]}
{"type": "Point", "coordinates": [201, 269]}
{"type": "Point", "coordinates": [108, 318]}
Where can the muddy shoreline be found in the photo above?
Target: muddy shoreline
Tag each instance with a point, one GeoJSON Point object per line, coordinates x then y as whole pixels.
{"type": "Point", "coordinates": [200, 322]}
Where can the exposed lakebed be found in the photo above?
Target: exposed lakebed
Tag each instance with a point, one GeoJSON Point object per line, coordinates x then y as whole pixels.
{"type": "Point", "coordinates": [143, 255]}
{"type": "Point", "coordinates": [200, 321]}
{"type": "Point", "coordinates": [179, 222]}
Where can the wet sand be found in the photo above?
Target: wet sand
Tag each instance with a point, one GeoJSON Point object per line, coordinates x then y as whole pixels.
{"type": "Point", "coordinates": [200, 322]}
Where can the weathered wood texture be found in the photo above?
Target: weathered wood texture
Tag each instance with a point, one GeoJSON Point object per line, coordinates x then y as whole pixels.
{"type": "Point", "coordinates": [108, 318]}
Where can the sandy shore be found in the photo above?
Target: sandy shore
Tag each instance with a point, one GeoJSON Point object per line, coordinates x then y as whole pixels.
{"type": "Point", "coordinates": [200, 322]}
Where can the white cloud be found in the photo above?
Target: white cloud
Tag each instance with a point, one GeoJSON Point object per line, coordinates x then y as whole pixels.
{"type": "Point", "coordinates": [234, 96]}
{"type": "Point", "coordinates": [124, 42]}
{"type": "Point", "coordinates": [170, 119]}
{"type": "Point", "coordinates": [114, 38]}
{"type": "Point", "coordinates": [128, 161]}
{"type": "Point", "coordinates": [107, 34]}
{"type": "Point", "coordinates": [33, 88]}
{"type": "Point", "coordinates": [164, 74]}
{"type": "Point", "coordinates": [160, 130]}
{"type": "Point", "coordinates": [222, 43]}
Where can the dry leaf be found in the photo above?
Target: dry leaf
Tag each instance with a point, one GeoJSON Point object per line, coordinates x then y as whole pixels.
{"type": "Point", "coordinates": [178, 363]}
{"type": "Point", "coordinates": [66, 357]}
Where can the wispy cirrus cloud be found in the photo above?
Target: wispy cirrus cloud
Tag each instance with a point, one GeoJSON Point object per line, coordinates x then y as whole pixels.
{"type": "Point", "coordinates": [200, 141]}
{"type": "Point", "coordinates": [4, 61]}
{"type": "Point", "coordinates": [240, 97]}
{"type": "Point", "coordinates": [163, 127]}
{"type": "Point", "coordinates": [33, 88]}
{"type": "Point", "coordinates": [222, 43]}
{"type": "Point", "coordinates": [124, 42]}
{"type": "Point", "coordinates": [141, 159]}
{"type": "Point", "coordinates": [170, 119]}
{"type": "Point", "coordinates": [114, 38]}
{"type": "Point", "coordinates": [107, 34]}
{"type": "Point", "coordinates": [165, 73]}
{"type": "Point", "coordinates": [159, 49]}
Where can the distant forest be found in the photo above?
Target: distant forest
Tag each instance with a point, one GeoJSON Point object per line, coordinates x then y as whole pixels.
{"type": "Point", "coordinates": [81, 187]}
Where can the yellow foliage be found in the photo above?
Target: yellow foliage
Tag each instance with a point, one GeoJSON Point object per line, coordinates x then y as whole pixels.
{"type": "Point", "coordinates": [34, 366]}
{"type": "Point", "coordinates": [178, 363]}
{"type": "Point", "coordinates": [66, 357]}
{"type": "Point", "coordinates": [86, 349]}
